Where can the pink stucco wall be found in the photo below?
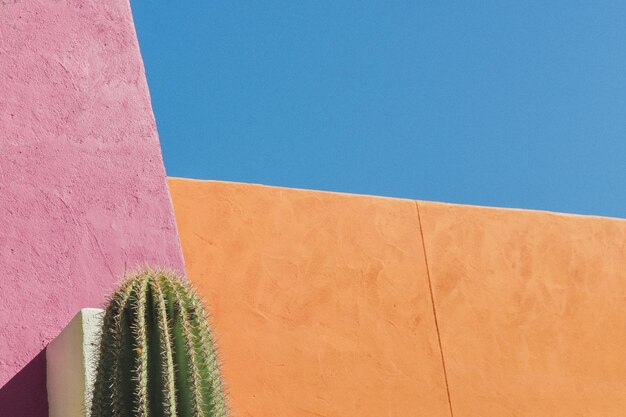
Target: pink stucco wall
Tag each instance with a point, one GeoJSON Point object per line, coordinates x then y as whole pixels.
{"type": "Point", "coordinates": [83, 195]}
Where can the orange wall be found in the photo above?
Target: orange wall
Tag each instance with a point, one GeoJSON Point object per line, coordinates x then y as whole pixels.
{"type": "Point", "coordinates": [322, 305]}
{"type": "Point", "coordinates": [531, 309]}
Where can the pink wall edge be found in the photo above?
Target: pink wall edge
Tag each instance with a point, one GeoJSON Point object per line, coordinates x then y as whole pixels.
{"type": "Point", "coordinates": [83, 196]}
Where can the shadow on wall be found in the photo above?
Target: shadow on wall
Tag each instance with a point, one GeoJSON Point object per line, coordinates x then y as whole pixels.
{"type": "Point", "coordinates": [25, 394]}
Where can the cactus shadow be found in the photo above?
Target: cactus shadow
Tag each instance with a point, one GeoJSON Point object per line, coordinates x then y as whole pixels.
{"type": "Point", "coordinates": [25, 394]}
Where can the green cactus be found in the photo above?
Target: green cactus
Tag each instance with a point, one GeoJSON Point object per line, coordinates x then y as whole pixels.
{"type": "Point", "coordinates": [157, 356]}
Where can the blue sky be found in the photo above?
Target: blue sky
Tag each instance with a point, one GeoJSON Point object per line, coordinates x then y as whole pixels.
{"type": "Point", "coordinates": [500, 103]}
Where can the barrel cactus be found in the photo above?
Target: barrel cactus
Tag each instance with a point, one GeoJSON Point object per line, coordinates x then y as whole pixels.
{"type": "Point", "coordinates": [157, 355]}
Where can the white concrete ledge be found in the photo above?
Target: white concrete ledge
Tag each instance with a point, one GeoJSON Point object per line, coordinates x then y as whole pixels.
{"type": "Point", "coordinates": [71, 364]}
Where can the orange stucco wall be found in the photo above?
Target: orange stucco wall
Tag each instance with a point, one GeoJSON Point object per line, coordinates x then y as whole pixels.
{"type": "Point", "coordinates": [322, 304]}
{"type": "Point", "coordinates": [531, 309]}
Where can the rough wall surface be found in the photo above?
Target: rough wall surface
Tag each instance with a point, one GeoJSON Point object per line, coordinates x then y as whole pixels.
{"type": "Point", "coordinates": [321, 304]}
{"type": "Point", "coordinates": [83, 195]}
{"type": "Point", "coordinates": [320, 301]}
{"type": "Point", "coordinates": [531, 308]}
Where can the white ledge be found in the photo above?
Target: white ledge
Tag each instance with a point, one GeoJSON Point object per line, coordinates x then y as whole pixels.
{"type": "Point", "coordinates": [71, 364]}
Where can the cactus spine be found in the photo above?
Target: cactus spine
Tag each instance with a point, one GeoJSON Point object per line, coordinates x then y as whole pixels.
{"type": "Point", "coordinates": [157, 355]}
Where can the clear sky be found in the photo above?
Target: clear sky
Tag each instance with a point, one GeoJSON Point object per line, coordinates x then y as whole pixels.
{"type": "Point", "coordinates": [500, 103]}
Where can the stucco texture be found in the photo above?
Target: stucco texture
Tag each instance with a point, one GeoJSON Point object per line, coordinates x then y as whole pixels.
{"type": "Point", "coordinates": [83, 196]}
{"type": "Point", "coordinates": [320, 301]}
{"type": "Point", "coordinates": [531, 308]}
{"type": "Point", "coordinates": [322, 307]}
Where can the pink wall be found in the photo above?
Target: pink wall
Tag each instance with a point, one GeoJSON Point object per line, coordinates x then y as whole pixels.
{"type": "Point", "coordinates": [83, 195]}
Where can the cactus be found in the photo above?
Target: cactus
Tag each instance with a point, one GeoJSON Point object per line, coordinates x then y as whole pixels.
{"type": "Point", "coordinates": [157, 355]}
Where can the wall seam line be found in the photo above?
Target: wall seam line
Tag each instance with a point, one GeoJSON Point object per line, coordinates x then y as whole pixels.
{"type": "Point", "coordinates": [432, 300]}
